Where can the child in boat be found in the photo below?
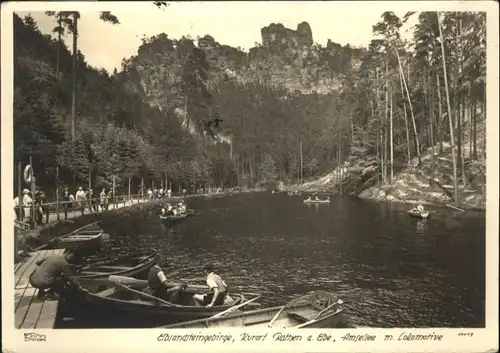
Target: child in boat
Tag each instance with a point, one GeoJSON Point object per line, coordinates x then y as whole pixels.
{"type": "Point", "coordinates": [51, 275]}
{"type": "Point", "coordinates": [420, 208]}
{"type": "Point", "coordinates": [218, 289]}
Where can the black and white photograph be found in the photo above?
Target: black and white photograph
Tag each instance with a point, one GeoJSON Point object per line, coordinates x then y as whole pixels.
{"type": "Point", "coordinates": [250, 170]}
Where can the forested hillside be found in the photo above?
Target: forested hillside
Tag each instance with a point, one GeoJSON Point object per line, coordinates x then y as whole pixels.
{"type": "Point", "coordinates": [376, 110]}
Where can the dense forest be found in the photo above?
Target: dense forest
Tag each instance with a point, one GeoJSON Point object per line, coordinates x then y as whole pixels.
{"type": "Point", "coordinates": [403, 98]}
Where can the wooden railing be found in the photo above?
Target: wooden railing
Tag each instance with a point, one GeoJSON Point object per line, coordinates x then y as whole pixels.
{"type": "Point", "coordinates": [59, 210]}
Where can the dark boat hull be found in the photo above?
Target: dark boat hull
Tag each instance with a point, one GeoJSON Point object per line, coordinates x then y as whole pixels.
{"type": "Point", "coordinates": [143, 313]}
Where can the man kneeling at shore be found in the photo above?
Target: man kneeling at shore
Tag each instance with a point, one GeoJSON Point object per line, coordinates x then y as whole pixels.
{"type": "Point", "coordinates": [51, 275]}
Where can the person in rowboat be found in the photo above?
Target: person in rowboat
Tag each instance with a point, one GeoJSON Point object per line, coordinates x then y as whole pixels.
{"type": "Point", "coordinates": [170, 210]}
{"type": "Point", "coordinates": [218, 289]}
{"type": "Point", "coordinates": [158, 285]}
{"type": "Point", "coordinates": [52, 274]}
{"type": "Point", "coordinates": [420, 208]}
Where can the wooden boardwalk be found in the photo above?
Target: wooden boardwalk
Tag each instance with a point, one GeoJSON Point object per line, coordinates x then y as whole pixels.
{"type": "Point", "coordinates": [31, 312]}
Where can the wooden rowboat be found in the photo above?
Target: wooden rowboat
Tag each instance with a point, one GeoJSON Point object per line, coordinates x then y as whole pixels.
{"type": "Point", "coordinates": [84, 238]}
{"type": "Point", "coordinates": [317, 310]}
{"type": "Point", "coordinates": [111, 299]}
{"type": "Point", "coordinates": [416, 213]}
{"type": "Point", "coordinates": [130, 266]}
{"type": "Point", "coordinates": [317, 201]}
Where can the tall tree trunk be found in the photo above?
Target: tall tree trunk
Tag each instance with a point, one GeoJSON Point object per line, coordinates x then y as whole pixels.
{"type": "Point", "coordinates": [432, 116]}
{"type": "Point", "coordinates": [474, 134]}
{"type": "Point", "coordinates": [379, 124]}
{"type": "Point", "coordinates": [462, 138]}
{"type": "Point", "coordinates": [450, 119]}
{"type": "Point", "coordinates": [406, 119]}
{"type": "Point", "coordinates": [73, 101]}
{"type": "Point", "coordinates": [301, 163]}
{"type": "Point", "coordinates": [59, 22]}
{"type": "Point", "coordinates": [440, 111]}
{"type": "Point", "coordinates": [470, 129]}
{"type": "Point", "coordinates": [386, 115]}
{"type": "Point", "coordinates": [411, 108]}
{"type": "Point", "coordinates": [391, 142]}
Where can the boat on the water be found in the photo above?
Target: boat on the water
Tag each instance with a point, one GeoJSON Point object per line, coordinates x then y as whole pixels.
{"type": "Point", "coordinates": [172, 218]}
{"type": "Point", "coordinates": [417, 214]}
{"type": "Point", "coordinates": [111, 298]}
{"type": "Point", "coordinates": [317, 201]}
{"type": "Point", "coordinates": [129, 265]}
{"type": "Point", "coordinates": [84, 238]}
{"type": "Point", "coordinates": [319, 309]}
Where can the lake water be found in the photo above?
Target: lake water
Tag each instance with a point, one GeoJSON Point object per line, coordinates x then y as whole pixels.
{"type": "Point", "coordinates": [389, 269]}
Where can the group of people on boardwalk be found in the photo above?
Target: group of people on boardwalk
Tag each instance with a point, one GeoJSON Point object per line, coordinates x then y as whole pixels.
{"type": "Point", "coordinates": [159, 194]}
{"type": "Point", "coordinates": [23, 209]}
{"type": "Point", "coordinates": [81, 200]}
{"type": "Point", "coordinates": [85, 199]}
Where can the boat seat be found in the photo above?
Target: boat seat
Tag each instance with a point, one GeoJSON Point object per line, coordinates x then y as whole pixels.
{"type": "Point", "coordinates": [303, 315]}
{"type": "Point", "coordinates": [106, 292]}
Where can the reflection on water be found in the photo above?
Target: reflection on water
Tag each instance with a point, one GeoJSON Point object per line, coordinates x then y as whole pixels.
{"type": "Point", "coordinates": [390, 270]}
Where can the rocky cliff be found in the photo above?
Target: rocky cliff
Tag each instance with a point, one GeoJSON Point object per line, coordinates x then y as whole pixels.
{"type": "Point", "coordinates": [286, 58]}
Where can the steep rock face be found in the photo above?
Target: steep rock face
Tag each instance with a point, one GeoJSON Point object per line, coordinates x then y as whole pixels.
{"type": "Point", "coordinates": [277, 35]}
{"type": "Point", "coordinates": [287, 58]}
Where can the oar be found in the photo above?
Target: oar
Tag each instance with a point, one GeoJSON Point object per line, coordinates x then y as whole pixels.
{"type": "Point", "coordinates": [142, 294]}
{"type": "Point", "coordinates": [233, 308]}
{"type": "Point", "coordinates": [456, 208]}
{"type": "Point", "coordinates": [143, 283]}
{"type": "Point", "coordinates": [276, 316]}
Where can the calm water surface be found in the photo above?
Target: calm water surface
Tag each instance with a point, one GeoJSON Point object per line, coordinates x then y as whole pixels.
{"type": "Point", "coordinates": [390, 270]}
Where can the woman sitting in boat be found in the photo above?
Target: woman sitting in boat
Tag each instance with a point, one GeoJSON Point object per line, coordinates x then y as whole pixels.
{"type": "Point", "coordinates": [218, 289]}
{"type": "Point", "coordinates": [158, 285]}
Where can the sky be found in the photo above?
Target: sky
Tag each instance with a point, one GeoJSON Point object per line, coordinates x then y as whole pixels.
{"type": "Point", "coordinates": [232, 23]}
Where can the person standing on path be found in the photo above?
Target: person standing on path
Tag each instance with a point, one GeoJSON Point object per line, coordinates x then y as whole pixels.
{"type": "Point", "coordinates": [27, 201]}
{"type": "Point", "coordinates": [103, 200]}
{"type": "Point", "coordinates": [80, 198]}
{"type": "Point", "coordinates": [67, 198]}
